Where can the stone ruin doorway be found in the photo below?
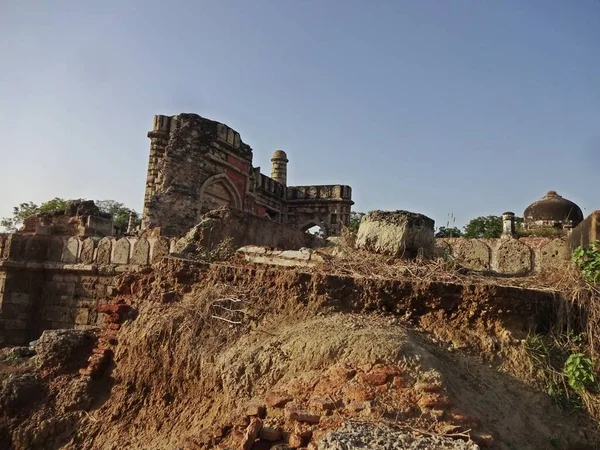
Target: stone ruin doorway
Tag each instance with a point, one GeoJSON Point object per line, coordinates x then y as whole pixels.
{"type": "Point", "coordinates": [217, 192]}
{"type": "Point", "coordinates": [315, 228]}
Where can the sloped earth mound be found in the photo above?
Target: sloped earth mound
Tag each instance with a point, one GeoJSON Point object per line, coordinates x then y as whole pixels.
{"type": "Point", "coordinates": [211, 359]}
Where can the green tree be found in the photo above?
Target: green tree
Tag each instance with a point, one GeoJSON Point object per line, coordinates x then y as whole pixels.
{"type": "Point", "coordinates": [355, 218]}
{"type": "Point", "coordinates": [119, 213]}
{"type": "Point", "coordinates": [24, 210]}
{"type": "Point", "coordinates": [484, 227]}
{"type": "Point", "coordinates": [447, 232]}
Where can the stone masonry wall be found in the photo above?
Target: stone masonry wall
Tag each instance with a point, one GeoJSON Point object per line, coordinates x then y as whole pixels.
{"type": "Point", "coordinates": [58, 282]}
{"type": "Point", "coordinates": [49, 282]}
{"type": "Point", "coordinates": [506, 256]}
{"type": "Point", "coordinates": [586, 233]}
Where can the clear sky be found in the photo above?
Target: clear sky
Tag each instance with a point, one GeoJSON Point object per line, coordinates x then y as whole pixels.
{"type": "Point", "coordinates": [441, 107]}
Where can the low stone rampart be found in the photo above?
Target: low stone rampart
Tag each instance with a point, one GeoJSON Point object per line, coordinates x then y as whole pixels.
{"type": "Point", "coordinates": [586, 233]}
{"type": "Point", "coordinates": [506, 256]}
{"type": "Point", "coordinates": [49, 282]}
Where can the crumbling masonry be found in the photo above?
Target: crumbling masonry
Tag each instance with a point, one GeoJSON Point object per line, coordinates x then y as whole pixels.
{"type": "Point", "coordinates": [197, 165]}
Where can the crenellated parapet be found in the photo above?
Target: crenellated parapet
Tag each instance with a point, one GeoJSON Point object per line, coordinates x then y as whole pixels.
{"type": "Point", "coordinates": [506, 256]}
{"type": "Point", "coordinates": [59, 251]}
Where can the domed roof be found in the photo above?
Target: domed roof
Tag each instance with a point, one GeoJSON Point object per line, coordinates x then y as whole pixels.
{"type": "Point", "coordinates": [553, 207]}
{"type": "Point", "coordinates": [279, 154]}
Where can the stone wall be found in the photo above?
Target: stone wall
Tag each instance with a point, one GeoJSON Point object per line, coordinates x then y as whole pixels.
{"type": "Point", "coordinates": [197, 165]}
{"type": "Point", "coordinates": [51, 282]}
{"type": "Point", "coordinates": [246, 229]}
{"type": "Point", "coordinates": [506, 256]}
{"type": "Point", "coordinates": [37, 299]}
{"type": "Point", "coordinates": [586, 233]}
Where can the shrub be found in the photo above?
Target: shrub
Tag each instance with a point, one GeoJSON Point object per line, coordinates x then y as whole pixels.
{"type": "Point", "coordinates": [579, 371]}
{"type": "Point", "coordinates": [588, 260]}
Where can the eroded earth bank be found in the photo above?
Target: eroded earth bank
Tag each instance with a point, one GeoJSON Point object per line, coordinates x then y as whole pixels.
{"type": "Point", "coordinates": [229, 356]}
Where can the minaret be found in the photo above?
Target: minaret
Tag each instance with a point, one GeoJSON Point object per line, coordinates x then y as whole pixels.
{"type": "Point", "coordinates": [279, 167]}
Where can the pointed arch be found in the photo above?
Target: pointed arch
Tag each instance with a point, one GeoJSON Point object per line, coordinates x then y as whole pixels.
{"type": "Point", "coordinates": [312, 223]}
{"type": "Point", "coordinates": [218, 191]}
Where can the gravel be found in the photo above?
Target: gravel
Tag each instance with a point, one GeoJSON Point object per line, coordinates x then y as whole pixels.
{"type": "Point", "coordinates": [356, 435]}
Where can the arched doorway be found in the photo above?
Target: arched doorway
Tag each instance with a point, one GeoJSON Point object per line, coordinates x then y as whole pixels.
{"type": "Point", "coordinates": [315, 228]}
{"type": "Point", "coordinates": [218, 191]}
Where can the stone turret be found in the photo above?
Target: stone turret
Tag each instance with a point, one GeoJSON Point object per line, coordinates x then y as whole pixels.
{"type": "Point", "coordinates": [279, 167]}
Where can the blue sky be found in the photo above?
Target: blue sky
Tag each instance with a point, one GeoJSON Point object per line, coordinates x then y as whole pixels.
{"type": "Point", "coordinates": [441, 107]}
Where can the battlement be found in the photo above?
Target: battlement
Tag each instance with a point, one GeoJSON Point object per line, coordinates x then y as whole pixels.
{"type": "Point", "coordinates": [320, 192]}
{"type": "Point", "coordinates": [36, 250]}
{"type": "Point", "coordinates": [200, 128]}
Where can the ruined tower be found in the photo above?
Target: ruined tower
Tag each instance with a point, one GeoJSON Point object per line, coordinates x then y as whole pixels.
{"type": "Point", "coordinates": [279, 167]}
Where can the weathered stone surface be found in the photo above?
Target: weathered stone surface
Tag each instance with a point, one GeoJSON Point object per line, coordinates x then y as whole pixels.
{"type": "Point", "coordinates": [14, 247]}
{"type": "Point", "coordinates": [442, 249]}
{"type": "Point", "coordinates": [104, 251]}
{"type": "Point", "coordinates": [586, 233]}
{"type": "Point", "coordinates": [473, 254]}
{"type": "Point", "coordinates": [64, 350]}
{"type": "Point", "coordinates": [396, 233]}
{"type": "Point", "coordinates": [20, 391]}
{"type": "Point", "coordinates": [554, 254]}
{"type": "Point", "coordinates": [36, 248]}
{"type": "Point", "coordinates": [71, 251]}
{"type": "Point", "coordinates": [160, 249]}
{"type": "Point", "coordinates": [87, 251]}
{"type": "Point", "coordinates": [121, 252]}
{"type": "Point", "coordinates": [197, 165]}
{"type": "Point", "coordinates": [514, 258]}
{"type": "Point", "coordinates": [141, 252]}
{"type": "Point", "coordinates": [55, 249]}
{"type": "Point", "coordinates": [380, 437]}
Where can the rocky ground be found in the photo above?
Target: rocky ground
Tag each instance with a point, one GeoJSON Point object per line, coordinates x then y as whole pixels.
{"type": "Point", "coordinates": [196, 358]}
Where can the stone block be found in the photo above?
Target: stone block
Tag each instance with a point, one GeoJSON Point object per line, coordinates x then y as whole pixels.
{"type": "Point", "coordinates": [36, 248]}
{"type": "Point", "coordinates": [396, 233]}
{"type": "Point", "coordinates": [141, 252]}
{"type": "Point", "coordinates": [121, 252]}
{"type": "Point", "coordinates": [104, 251]}
{"type": "Point", "coordinates": [55, 249]}
{"type": "Point", "coordinates": [514, 258]}
{"type": "Point", "coordinates": [14, 247]}
{"type": "Point", "coordinates": [55, 313]}
{"type": "Point", "coordinates": [65, 289]}
{"type": "Point", "coordinates": [15, 324]}
{"type": "Point", "coordinates": [87, 251]}
{"type": "Point", "coordinates": [252, 249]}
{"type": "Point", "coordinates": [17, 337]}
{"type": "Point", "coordinates": [85, 302]}
{"type": "Point", "coordinates": [18, 298]}
{"type": "Point", "coordinates": [160, 249]}
{"type": "Point", "coordinates": [295, 255]}
{"type": "Point", "coordinates": [16, 311]}
{"type": "Point", "coordinates": [554, 254]}
{"type": "Point", "coordinates": [473, 254]}
{"type": "Point", "coordinates": [442, 249]}
{"type": "Point", "coordinates": [71, 251]}
{"type": "Point", "coordinates": [82, 316]}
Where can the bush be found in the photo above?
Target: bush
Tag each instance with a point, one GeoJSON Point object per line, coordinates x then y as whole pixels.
{"type": "Point", "coordinates": [579, 371]}
{"type": "Point", "coordinates": [588, 260]}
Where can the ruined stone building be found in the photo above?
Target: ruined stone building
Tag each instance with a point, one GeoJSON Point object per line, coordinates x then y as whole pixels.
{"type": "Point", "coordinates": [552, 211]}
{"type": "Point", "coordinates": [197, 164]}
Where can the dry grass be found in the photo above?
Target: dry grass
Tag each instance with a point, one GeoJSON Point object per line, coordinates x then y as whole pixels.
{"type": "Point", "coordinates": [176, 341]}
{"type": "Point", "coordinates": [576, 328]}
